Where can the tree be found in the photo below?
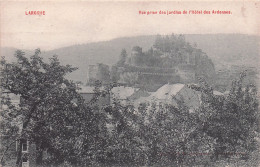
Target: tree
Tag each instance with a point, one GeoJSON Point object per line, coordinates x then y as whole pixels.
{"type": "Point", "coordinates": [221, 130]}
{"type": "Point", "coordinates": [231, 120]}
{"type": "Point", "coordinates": [122, 59]}
{"type": "Point", "coordinates": [158, 44]}
{"type": "Point", "coordinates": [49, 102]}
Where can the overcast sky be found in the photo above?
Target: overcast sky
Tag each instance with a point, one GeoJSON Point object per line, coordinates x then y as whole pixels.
{"type": "Point", "coordinates": [69, 23]}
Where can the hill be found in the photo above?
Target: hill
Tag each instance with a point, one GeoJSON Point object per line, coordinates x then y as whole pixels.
{"type": "Point", "coordinates": [223, 49]}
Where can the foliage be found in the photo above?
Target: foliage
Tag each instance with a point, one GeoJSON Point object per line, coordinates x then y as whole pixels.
{"type": "Point", "coordinates": [122, 59]}
{"type": "Point", "coordinates": [222, 131]}
{"type": "Point", "coordinates": [49, 107]}
{"type": "Point", "coordinates": [231, 120]}
{"type": "Point", "coordinates": [170, 54]}
{"type": "Point", "coordinates": [167, 52]}
{"type": "Point", "coordinates": [53, 115]}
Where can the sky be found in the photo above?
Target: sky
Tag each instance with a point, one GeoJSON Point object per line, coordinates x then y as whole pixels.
{"type": "Point", "coordinates": [71, 23]}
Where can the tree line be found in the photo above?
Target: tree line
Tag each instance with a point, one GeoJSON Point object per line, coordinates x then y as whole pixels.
{"type": "Point", "coordinates": [53, 115]}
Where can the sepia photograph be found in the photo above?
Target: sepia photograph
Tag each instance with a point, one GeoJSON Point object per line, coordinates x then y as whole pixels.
{"type": "Point", "coordinates": [129, 84]}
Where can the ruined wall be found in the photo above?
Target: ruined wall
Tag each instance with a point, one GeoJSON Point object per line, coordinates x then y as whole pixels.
{"type": "Point", "coordinates": [98, 72]}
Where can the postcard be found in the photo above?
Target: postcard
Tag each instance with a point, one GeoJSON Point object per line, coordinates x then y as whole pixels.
{"type": "Point", "coordinates": [130, 83]}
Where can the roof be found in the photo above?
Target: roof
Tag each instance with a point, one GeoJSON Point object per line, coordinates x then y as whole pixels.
{"type": "Point", "coordinates": [217, 93]}
{"type": "Point", "coordinates": [86, 89]}
{"type": "Point", "coordinates": [165, 94]}
{"type": "Point", "coordinates": [167, 91]}
{"type": "Point", "coordinates": [122, 92]}
{"type": "Point", "coordinates": [15, 99]}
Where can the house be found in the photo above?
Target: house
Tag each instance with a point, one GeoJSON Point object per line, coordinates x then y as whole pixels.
{"type": "Point", "coordinates": [88, 93]}
{"type": "Point", "coordinates": [174, 94]}
{"type": "Point", "coordinates": [28, 152]}
{"type": "Point", "coordinates": [122, 94]}
{"type": "Point", "coordinates": [9, 148]}
{"type": "Point", "coordinates": [127, 94]}
{"type": "Point", "coordinates": [28, 147]}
